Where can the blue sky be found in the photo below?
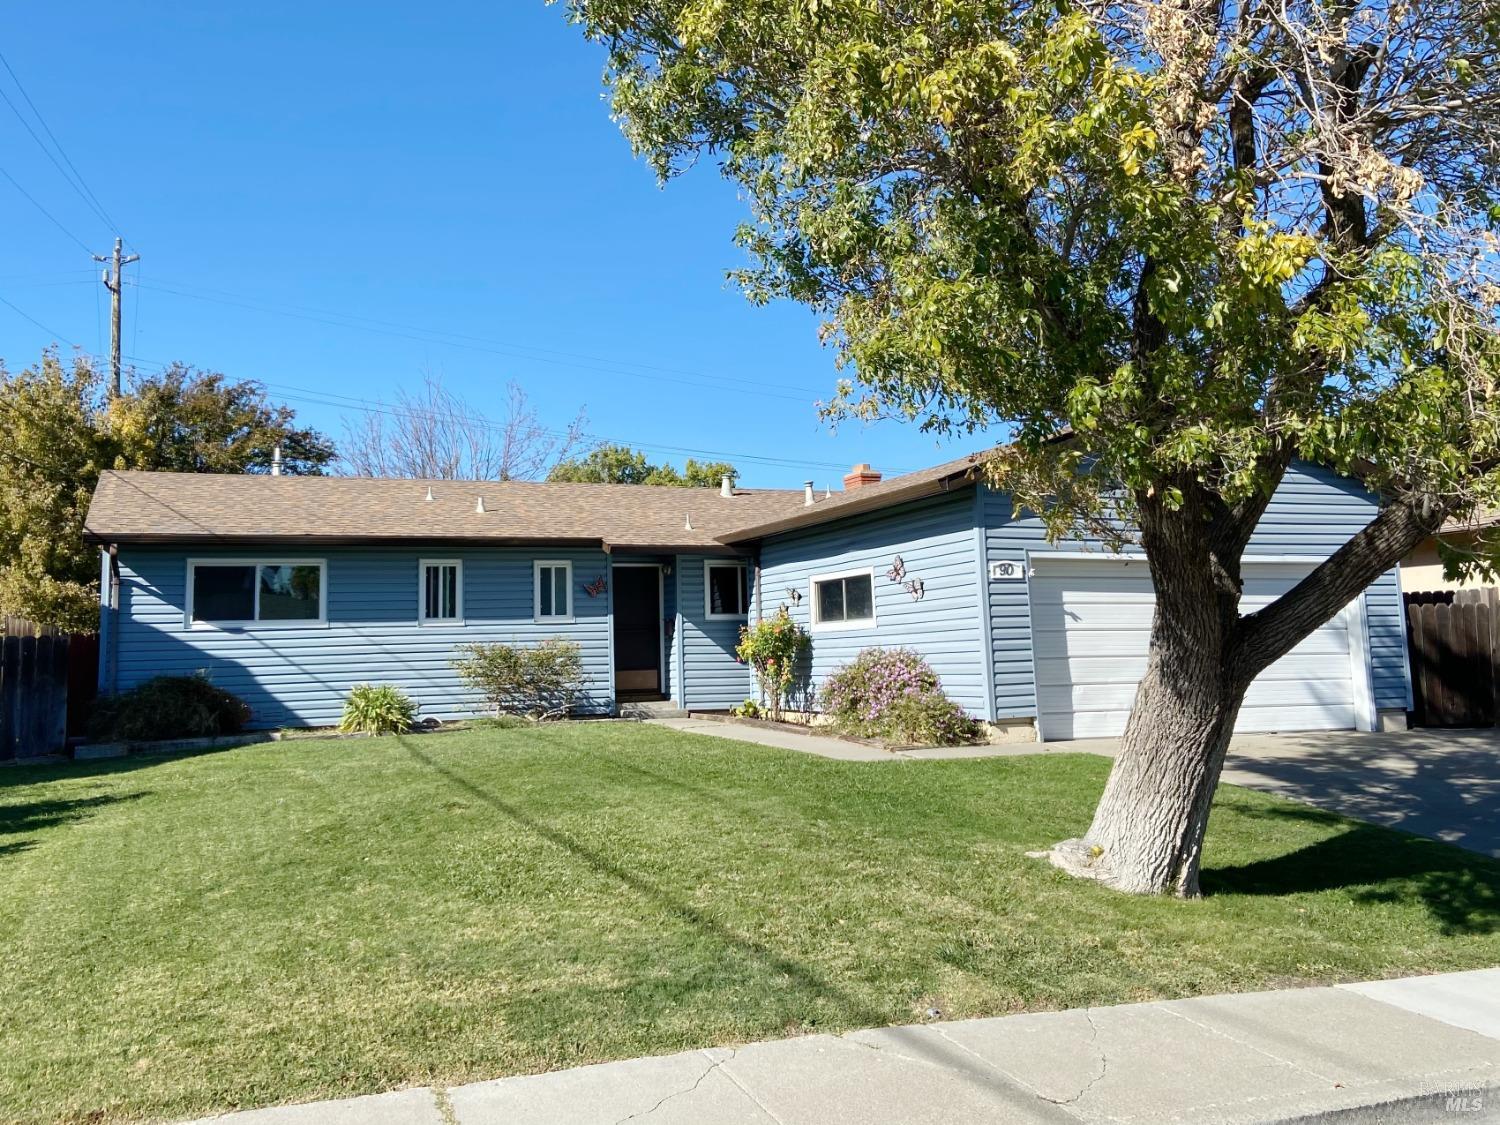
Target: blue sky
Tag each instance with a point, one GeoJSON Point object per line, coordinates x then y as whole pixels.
{"type": "Point", "coordinates": [336, 199]}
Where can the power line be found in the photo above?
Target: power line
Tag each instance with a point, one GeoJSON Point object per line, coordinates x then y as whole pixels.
{"type": "Point", "coordinates": [23, 314]}
{"type": "Point", "coordinates": [502, 348]}
{"type": "Point", "coordinates": [368, 406]}
{"type": "Point", "coordinates": [53, 218]}
{"type": "Point", "coordinates": [198, 290]}
{"type": "Point", "coordinates": [75, 180]}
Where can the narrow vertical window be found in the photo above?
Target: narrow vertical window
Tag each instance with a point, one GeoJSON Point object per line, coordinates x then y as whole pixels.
{"type": "Point", "coordinates": [442, 591]}
{"type": "Point", "coordinates": [724, 589]}
{"type": "Point", "coordinates": [554, 590]}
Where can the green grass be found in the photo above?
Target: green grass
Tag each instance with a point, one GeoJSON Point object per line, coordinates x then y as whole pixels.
{"type": "Point", "coordinates": [292, 921]}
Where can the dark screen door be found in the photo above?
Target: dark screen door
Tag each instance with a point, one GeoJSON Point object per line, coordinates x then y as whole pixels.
{"type": "Point", "coordinates": [637, 628]}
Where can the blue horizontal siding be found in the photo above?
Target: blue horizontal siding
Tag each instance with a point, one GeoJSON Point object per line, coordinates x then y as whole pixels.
{"type": "Point", "coordinates": [300, 676]}
{"type": "Point", "coordinates": [936, 542]}
{"type": "Point", "coordinates": [1312, 514]}
{"type": "Point", "coordinates": [713, 679]}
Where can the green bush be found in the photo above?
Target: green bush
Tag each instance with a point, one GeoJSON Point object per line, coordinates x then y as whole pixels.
{"type": "Point", "coordinates": [168, 707]}
{"type": "Point", "coordinates": [538, 681]}
{"type": "Point", "coordinates": [775, 647]}
{"type": "Point", "coordinates": [895, 694]}
{"type": "Point", "coordinates": [382, 709]}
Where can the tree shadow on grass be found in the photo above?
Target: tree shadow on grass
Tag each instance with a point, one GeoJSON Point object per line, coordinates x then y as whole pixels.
{"type": "Point", "coordinates": [803, 977]}
{"type": "Point", "coordinates": [31, 816]}
{"type": "Point", "coordinates": [1376, 866]}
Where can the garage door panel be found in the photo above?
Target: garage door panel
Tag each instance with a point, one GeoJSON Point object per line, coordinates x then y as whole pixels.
{"type": "Point", "coordinates": [1300, 693]}
{"type": "Point", "coordinates": [1091, 628]}
{"type": "Point", "coordinates": [1054, 644]}
{"type": "Point", "coordinates": [1268, 720]}
{"type": "Point", "coordinates": [1065, 725]}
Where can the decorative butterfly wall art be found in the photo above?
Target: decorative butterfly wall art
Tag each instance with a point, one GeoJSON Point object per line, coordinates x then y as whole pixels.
{"type": "Point", "coordinates": [897, 571]}
{"type": "Point", "coordinates": [794, 595]}
{"type": "Point", "coordinates": [916, 589]}
{"type": "Point", "coordinates": [596, 587]}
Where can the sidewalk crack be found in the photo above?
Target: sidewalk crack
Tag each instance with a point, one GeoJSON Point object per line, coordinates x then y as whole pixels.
{"type": "Point", "coordinates": [1088, 1014]}
{"type": "Point", "coordinates": [444, 1105]}
{"type": "Point", "coordinates": [712, 1066]}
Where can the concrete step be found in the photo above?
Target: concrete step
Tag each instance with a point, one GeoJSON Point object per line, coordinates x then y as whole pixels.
{"type": "Point", "coordinates": [651, 709]}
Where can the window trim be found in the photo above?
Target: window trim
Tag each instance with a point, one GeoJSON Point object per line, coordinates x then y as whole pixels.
{"type": "Point", "coordinates": [819, 626]}
{"type": "Point", "coordinates": [321, 621]}
{"type": "Point", "coordinates": [708, 602]}
{"type": "Point", "coordinates": [536, 592]}
{"type": "Point", "coordinates": [458, 608]}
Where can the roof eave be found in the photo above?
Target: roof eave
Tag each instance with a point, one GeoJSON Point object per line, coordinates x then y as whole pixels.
{"type": "Point", "coordinates": [884, 498]}
{"type": "Point", "coordinates": [161, 539]}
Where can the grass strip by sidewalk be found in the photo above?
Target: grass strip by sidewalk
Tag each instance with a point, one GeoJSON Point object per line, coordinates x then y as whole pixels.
{"type": "Point", "coordinates": [302, 920]}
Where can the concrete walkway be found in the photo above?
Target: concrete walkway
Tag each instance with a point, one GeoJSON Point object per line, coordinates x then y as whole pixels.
{"type": "Point", "coordinates": [1421, 1049]}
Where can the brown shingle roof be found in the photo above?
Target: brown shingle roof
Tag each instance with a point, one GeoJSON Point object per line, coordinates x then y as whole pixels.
{"type": "Point", "coordinates": [958, 473]}
{"type": "Point", "coordinates": [202, 508]}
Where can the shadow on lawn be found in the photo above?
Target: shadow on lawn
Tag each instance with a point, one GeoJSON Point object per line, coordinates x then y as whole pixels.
{"type": "Point", "coordinates": [809, 980]}
{"type": "Point", "coordinates": [1375, 865]}
{"type": "Point", "coordinates": [31, 816]}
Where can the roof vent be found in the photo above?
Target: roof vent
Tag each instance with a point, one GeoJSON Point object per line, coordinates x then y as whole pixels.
{"type": "Point", "coordinates": [276, 460]}
{"type": "Point", "coordinates": [808, 499]}
{"type": "Point", "coordinates": [687, 524]}
{"type": "Point", "coordinates": [726, 487]}
{"type": "Point", "coordinates": [859, 476]}
{"type": "Point", "coordinates": [479, 504]}
{"type": "Point", "coordinates": [827, 492]}
{"type": "Point", "coordinates": [430, 496]}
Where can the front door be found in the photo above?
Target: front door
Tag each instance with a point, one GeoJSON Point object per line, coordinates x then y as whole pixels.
{"type": "Point", "coordinates": [637, 629]}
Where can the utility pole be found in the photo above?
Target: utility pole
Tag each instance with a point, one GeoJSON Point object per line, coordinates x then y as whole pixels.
{"type": "Point", "coordinates": [112, 283]}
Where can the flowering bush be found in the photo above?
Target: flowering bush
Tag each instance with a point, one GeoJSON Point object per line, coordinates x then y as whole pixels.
{"type": "Point", "coordinates": [894, 693]}
{"type": "Point", "coordinates": [774, 648]}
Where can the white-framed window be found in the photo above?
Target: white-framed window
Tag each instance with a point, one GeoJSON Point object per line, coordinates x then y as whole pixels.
{"type": "Point", "coordinates": [843, 601]}
{"type": "Point", "coordinates": [726, 593]}
{"type": "Point", "coordinates": [264, 593]}
{"type": "Point", "coordinates": [440, 594]}
{"type": "Point", "coordinates": [553, 589]}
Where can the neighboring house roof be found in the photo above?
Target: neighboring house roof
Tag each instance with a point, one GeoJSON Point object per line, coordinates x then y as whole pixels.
{"type": "Point", "coordinates": [212, 508]}
{"type": "Point", "coordinates": [202, 508]}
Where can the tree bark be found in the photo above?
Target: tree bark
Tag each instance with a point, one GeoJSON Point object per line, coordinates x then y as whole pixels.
{"type": "Point", "coordinates": [1147, 832]}
{"type": "Point", "coordinates": [1148, 829]}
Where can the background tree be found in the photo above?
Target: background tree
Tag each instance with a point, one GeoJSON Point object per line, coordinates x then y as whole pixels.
{"type": "Point", "coordinates": [620, 464]}
{"type": "Point", "coordinates": [1170, 246]}
{"type": "Point", "coordinates": [434, 434]}
{"type": "Point", "coordinates": [52, 449]}
{"type": "Point", "coordinates": [58, 431]}
{"type": "Point", "coordinates": [188, 421]}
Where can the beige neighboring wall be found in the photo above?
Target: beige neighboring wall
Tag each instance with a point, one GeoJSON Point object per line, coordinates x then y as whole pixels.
{"type": "Point", "coordinates": [1423, 569]}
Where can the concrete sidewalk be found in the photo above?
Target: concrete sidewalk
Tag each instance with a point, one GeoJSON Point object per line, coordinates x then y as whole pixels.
{"type": "Point", "coordinates": [1420, 1049]}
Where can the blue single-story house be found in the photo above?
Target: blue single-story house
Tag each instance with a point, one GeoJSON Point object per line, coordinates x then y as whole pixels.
{"type": "Point", "coordinates": [289, 591]}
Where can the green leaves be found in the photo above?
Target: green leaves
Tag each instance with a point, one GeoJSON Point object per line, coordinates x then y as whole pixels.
{"type": "Point", "coordinates": [1021, 216]}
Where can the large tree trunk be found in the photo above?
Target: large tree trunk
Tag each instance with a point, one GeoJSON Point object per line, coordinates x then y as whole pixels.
{"type": "Point", "coordinates": [1148, 829]}
{"type": "Point", "coordinates": [1147, 833]}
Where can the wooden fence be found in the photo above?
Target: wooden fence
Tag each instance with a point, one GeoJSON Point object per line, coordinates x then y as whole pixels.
{"type": "Point", "coordinates": [1453, 639]}
{"type": "Point", "coordinates": [48, 680]}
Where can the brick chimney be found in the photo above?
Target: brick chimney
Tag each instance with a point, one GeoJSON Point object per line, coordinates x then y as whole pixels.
{"type": "Point", "coordinates": [859, 476]}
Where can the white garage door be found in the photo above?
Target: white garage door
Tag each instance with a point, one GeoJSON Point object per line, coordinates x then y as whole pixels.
{"type": "Point", "coordinates": [1091, 626]}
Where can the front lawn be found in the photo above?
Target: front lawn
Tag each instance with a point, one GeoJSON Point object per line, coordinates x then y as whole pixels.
{"type": "Point", "coordinates": [314, 919]}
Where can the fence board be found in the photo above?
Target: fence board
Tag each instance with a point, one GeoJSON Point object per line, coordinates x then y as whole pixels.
{"type": "Point", "coordinates": [33, 694]}
{"type": "Point", "coordinates": [1453, 640]}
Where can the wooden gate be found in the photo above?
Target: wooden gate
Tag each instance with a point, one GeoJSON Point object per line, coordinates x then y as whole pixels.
{"type": "Point", "coordinates": [33, 696]}
{"type": "Point", "coordinates": [1452, 638]}
{"type": "Point", "coordinates": [48, 681]}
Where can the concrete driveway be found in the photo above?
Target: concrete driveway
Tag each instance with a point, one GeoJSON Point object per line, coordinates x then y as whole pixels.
{"type": "Point", "coordinates": [1444, 784]}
